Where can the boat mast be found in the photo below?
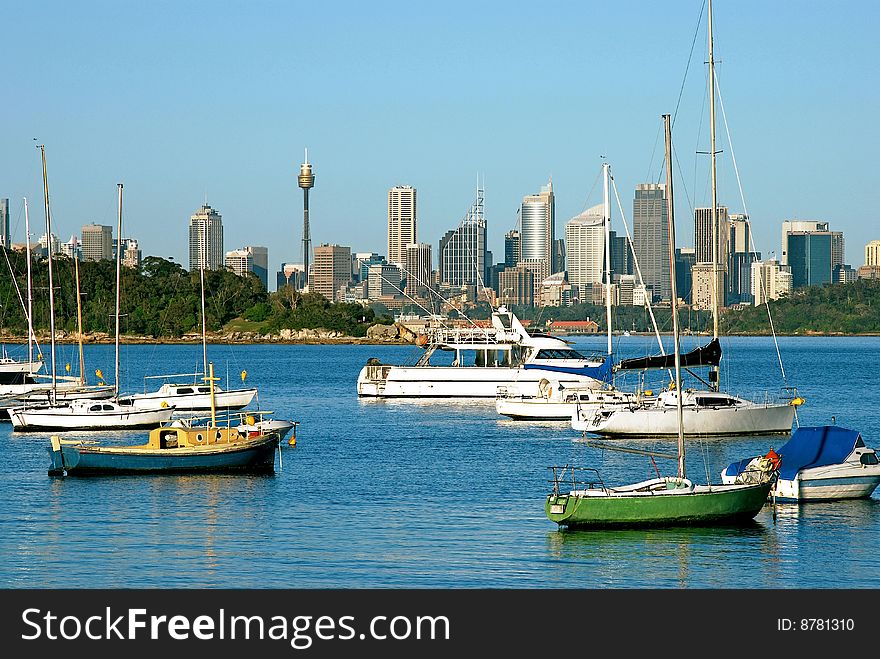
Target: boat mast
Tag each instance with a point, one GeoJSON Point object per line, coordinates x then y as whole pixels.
{"type": "Point", "coordinates": [204, 253]}
{"type": "Point", "coordinates": [42, 148]}
{"type": "Point", "coordinates": [118, 277]}
{"type": "Point", "coordinates": [30, 286]}
{"type": "Point", "coordinates": [79, 325]}
{"type": "Point", "coordinates": [607, 212]}
{"type": "Point", "coordinates": [714, 379]}
{"type": "Point", "coordinates": [670, 218]}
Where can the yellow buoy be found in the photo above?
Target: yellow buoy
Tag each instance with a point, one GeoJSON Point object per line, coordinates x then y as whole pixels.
{"type": "Point", "coordinates": [243, 375]}
{"type": "Point", "coordinates": [250, 420]}
{"type": "Point", "coordinates": [67, 367]}
{"type": "Point", "coordinates": [797, 401]}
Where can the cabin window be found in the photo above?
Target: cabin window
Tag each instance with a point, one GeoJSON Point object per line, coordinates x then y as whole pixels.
{"type": "Point", "coordinates": [204, 390]}
{"type": "Point", "coordinates": [168, 440]}
{"type": "Point", "coordinates": [95, 408]}
{"type": "Point", "coordinates": [199, 437]}
{"type": "Point", "coordinates": [185, 390]}
{"type": "Point", "coordinates": [559, 354]}
{"type": "Point", "coordinates": [107, 408]}
{"type": "Point", "coordinates": [720, 401]}
{"type": "Point", "coordinates": [868, 459]}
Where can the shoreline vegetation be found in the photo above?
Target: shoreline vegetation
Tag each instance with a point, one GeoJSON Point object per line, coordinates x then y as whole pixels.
{"type": "Point", "coordinates": [161, 304]}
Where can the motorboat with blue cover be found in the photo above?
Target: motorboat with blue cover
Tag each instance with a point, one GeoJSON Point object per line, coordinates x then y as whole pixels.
{"type": "Point", "coordinates": [819, 463]}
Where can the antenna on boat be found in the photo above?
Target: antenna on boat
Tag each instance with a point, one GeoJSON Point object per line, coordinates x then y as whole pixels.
{"type": "Point", "coordinates": [671, 222]}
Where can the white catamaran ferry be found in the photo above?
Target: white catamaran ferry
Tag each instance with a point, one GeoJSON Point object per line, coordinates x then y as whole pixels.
{"type": "Point", "coordinates": [475, 362]}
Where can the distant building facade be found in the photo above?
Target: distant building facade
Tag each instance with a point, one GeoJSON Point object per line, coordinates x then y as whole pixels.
{"type": "Point", "coordinates": [418, 269]}
{"type": "Point", "coordinates": [402, 221]}
{"type": "Point", "coordinates": [585, 245]}
{"type": "Point", "coordinates": [206, 239]}
{"type": "Point", "coordinates": [97, 242]}
{"type": "Point", "coordinates": [537, 234]}
{"type": "Point", "coordinates": [872, 253]}
{"type": "Point", "coordinates": [809, 256]}
{"type": "Point", "coordinates": [331, 270]}
{"type": "Point", "coordinates": [770, 281]}
{"type": "Point", "coordinates": [131, 254]}
{"type": "Point", "coordinates": [651, 237]}
{"type": "Point", "coordinates": [5, 237]}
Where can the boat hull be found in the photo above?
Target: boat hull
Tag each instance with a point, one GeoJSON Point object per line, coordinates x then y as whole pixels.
{"type": "Point", "coordinates": [257, 455]}
{"type": "Point", "coordinates": [459, 381]}
{"type": "Point", "coordinates": [829, 487]}
{"type": "Point", "coordinates": [752, 420]}
{"type": "Point", "coordinates": [24, 420]}
{"type": "Point", "coordinates": [704, 505]}
{"type": "Point", "coordinates": [225, 400]}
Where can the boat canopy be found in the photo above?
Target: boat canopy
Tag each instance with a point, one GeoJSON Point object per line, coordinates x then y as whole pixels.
{"type": "Point", "coordinates": [817, 446]}
{"type": "Point", "coordinates": [707, 355]}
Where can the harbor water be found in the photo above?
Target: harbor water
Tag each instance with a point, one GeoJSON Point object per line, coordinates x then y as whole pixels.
{"type": "Point", "coordinates": [434, 494]}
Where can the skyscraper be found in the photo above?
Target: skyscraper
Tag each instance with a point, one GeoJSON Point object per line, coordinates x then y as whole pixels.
{"type": "Point", "coordinates": [537, 220]}
{"type": "Point", "coordinates": [872, 253]}
{"type": "Point", "coordinates": [331, 271]}
{"type": "Point", "coordinates": [703, 235]}
{"type": "Point", "coordinates": [651, 237]}
{"type": "Point", "coordinates": [462, 254]}
{"type": "Point", "coordinates": [239, 261]}
{"type": "Point", "coordinates": [260, 259]}
{"type": "Point", "coordinates": [97, 242]}
{"type": "Point", "coordinates": [512, 251]}
{"type": "Point", "coordinates": [739, 260]}
{"type": "Point", "coordinates": [206, 239]}
{"type": "Point", "coordinates": [621, 255]}
{"type": "Point", "coordinates": [770, 280]}
{"type": "Point", "coordinates": [809, 257]}
{"type": "Point", "coordinates": [418, 269]}
{"type": "Point", "coordinates": [585, 247]}
{"type": "Point", "coordinates": [838, 250]}
{"type": "Point", "coordinates": [402, 217]}
{"type": "Point", "coordinates": [798, 225]}
{"type": "Point", "coordinates": [5, 238]}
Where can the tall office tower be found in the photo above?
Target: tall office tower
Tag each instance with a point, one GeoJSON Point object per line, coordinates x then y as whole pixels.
{"type": "Point", "coordinates": [585, 245]}
{"type": "Point", "coordinates": [838, 250]}
{"type": "Point", "coordinates": [131, 254]}
{"type": "Point", "coordinates": [5, 238]}
{"type": "Point", "coordinates": [402, 216]}
{"type": "Point", "coordinates": [703, 235]}
{"type": "Point", "coordinates": [418, 269]}
{"type": "Point", "coordinates": [621, 255]}
{"type": "Point", "coordinates": [537, 234]}
{"type": "Point", "coordinates": [206, 239]}
{"type": "Point", "coordinates": [512, 251]}
{"type": "Point", "coordinates": [809, 256]}
{"type": "Point", "coordinates": [740, 259]}
{"type": "Point", "coordinates": [651, 238]}
{"type": "Point", "coordinates": [789, 226]}
{"type": "Point", "coordinates": [770, 280]}
{"type": "Point", "coordinates": [703, 290]}
{"type": "Point", "coordinates": [306, 180]}
{"type": "Point", "coordinates": [260, 259]}
{"type": "Point", "coordinates": [872, 253]}
{"type": "Point", "coordinates": [239, 261]}
{"type": "Point", "coordinates": [97, 242]}
{"type": "Point", "coordinates": [685, 259]}
{"type": "Point", "coordinates": [331, 271]}
{"type": "Point", "coordinates": [462, 255]}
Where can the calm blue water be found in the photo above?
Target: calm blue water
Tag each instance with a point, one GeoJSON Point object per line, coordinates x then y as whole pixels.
{"type": "Point", "coordinates": [380, 494]}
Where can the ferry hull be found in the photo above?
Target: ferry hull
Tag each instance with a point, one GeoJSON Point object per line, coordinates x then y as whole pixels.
{"type": "Point", "coordinates": [757, 420]}
{"type": "Point", "coordinates": [705, 505]}
{"type": "Point", "coordinates": [82, 460]}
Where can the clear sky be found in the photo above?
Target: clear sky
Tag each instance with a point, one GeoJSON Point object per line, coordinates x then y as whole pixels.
{"type": "Point", "coordinates": [182, 99]}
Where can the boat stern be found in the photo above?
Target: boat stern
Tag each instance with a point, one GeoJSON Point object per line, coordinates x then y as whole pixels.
{"type": "Point", "coordinates": [372, 379]}
{"type": "Point", "coordinates": [56, 457]}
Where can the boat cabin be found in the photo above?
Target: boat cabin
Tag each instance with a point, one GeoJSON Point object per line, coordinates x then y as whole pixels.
{"type": "Point", "coordinates": [169, 437]}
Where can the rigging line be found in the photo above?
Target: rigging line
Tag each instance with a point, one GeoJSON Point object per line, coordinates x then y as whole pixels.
{"type": "Point", "coordinates": [688, 66]}
{"type": "Point", "coordinates": [653, 153]}
{"type": "Point", "coordinates": [751, 233]}
{"type": "Point", "coordinates": [590, 193]}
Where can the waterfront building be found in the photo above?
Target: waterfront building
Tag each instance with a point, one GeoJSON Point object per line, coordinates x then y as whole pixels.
{"type": "Point", "coordinates": [845, 274]}
{"type": "Point", "coordinates": [418, 269]}
{"type": "Point", "coordinates": [131, 254]}
{"type": "Point", "coordinates": [585, 245]}
{"type": "Point", "coordinates": [537, 220]}
{"type": "Point", "coordinates": [331, 270]}
{"type": "Point", "coordinates": [770, 280]}
{"type": "Point", "coordinates": [872, 253]}
{"type": "Point", "coordinates": [640, 295]}
{"type": "Point", "coordinates": [239, 261]}
{"type": "Point", "coordinates": [5, 237]}
{"type": "Point", "coordinates": [512, 252]}
{"type": "Point", "coordinates": [383, 280]}
{"type": "Point", "coordinates": [651, 237]}
{"type": "Point", "coordinates": [402, 219]}
{"type": "Point", "coordinates": [206, 239]}
{"type": "Point", "coordinates": [97, 242]}
{"type": "Point", "coordinates": [809, 256]}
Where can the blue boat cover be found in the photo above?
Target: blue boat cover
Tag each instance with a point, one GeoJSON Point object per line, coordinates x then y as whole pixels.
{"type": "Point", "coordinates": [601, 372]}
{"type": "Point", "coordinates": [816, 447]}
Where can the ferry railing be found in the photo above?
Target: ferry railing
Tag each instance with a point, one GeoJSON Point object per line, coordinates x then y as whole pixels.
{"type": "Point", "coordinates": [575, 478]}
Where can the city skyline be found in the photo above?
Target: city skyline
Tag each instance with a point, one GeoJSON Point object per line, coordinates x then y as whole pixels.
{"type": "Point", "coordinates": [464, 116]}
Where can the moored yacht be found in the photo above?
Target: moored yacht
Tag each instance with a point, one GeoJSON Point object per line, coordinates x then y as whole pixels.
{"type": "Point", "coordinates": [475, 362]}
{"type": "Point", "coordinates": [556, 402]}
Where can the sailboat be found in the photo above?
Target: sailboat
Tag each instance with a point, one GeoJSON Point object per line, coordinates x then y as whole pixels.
{"type": "Point", "coordinates": [84, 414]}
{"type": "Point", "coordinates": [706, 412]}
{"type": "Point", "coordinates": [661, 501]}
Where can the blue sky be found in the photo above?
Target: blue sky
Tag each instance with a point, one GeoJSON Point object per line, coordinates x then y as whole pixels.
{"type": "Point", "coordinates": [180, 99]}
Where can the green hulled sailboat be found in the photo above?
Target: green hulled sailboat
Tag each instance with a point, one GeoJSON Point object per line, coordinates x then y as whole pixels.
{"type": "Point", "coordinates": [668, 501]}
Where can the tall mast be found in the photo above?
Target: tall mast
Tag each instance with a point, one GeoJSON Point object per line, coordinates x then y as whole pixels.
{"type": "Point", "coordinates": [30, 286]}
{"type": "Point", "coordinates": [714, 381]}
{"type": "Point", "coordinates": [670, 218]}
{"type": "Point", "coordinates": [607, 213]}
{"type": "Point", "coordinates": [42, 148]}
{"type": "Point", "coordinates": [79, 325]}
{"type": "Point", "coordinates": [204, 252]}
{"type": "Point", "coordinates": [118, 279]}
